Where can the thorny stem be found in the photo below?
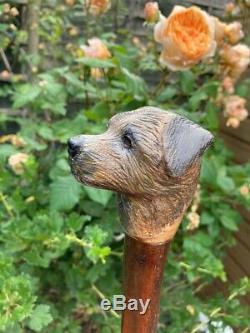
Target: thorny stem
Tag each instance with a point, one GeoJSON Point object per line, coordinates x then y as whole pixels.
{"type": "Point", "coordinates": [6, 205]}
{"type": "Point", "coordinates": [102, 296]}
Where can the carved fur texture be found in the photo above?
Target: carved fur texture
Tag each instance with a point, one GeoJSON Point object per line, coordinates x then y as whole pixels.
{"type": "Point", "coordinates": [151, 158]}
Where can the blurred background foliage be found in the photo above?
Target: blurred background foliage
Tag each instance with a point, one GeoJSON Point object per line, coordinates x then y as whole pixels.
{"type": "Point", "coordinates": [61, 242]}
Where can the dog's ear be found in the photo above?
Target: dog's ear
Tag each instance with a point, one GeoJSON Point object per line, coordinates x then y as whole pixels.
{"type": "Point", "coordinates": [183, 143]}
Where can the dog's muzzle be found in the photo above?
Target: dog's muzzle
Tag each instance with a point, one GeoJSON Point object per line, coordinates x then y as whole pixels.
{"type": "Point", "coordinates": [75, 145]}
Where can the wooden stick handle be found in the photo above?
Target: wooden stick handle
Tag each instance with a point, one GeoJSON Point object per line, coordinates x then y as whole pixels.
{"type": "Point", "coordinates": [143, 272]}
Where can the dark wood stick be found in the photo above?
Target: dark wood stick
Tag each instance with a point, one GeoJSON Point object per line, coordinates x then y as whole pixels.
{"type": "Point", "coordinates": [143, 272]}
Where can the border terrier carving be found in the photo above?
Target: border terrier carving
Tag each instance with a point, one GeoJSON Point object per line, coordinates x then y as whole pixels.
{"type": "Point", "coordinates": [152, 159]}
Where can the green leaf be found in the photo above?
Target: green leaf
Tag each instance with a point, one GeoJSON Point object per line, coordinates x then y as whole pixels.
{"type": "Point", "coordinates": [40, 317]}
{"type": "Point", "coordinates": [76, 222]}
{"type": "Point", "coordinates": [211, 116]}
{"type": "Point", "coordinates": [64, 193]}
{"type": "Point", "coordinates": [95, 234]}
{"type": "Point", "coordinates": [187, 82]}
{"type": "Point", "coordinates": [224, 182]}
{"type": "Point", "coordinates": [6, 150]}
{"type": "Point", "coordinates": [97, 195]}
{"type": "Point", "coordinates": [208, 171]}
{"type": "Point", "coordinates": [96, 237]}
{"type": "Point", "coordinates": [96, 63]}
{"type": "Point", "coordinates": [196, 99]}
{"type": "Point", "coordinates": [229, 223]}
{"type": "Point", "coordinates": [25, 94]}
{"type": "Point", "coordinates": [206, 218]}
{"type": "Point", "coordinates": [167, 94]}
{"type": "Point", "coordinates": [134, 83]}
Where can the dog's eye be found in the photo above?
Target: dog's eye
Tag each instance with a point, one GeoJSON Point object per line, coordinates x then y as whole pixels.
{"type": "Point", "coordinates": [127, 141]}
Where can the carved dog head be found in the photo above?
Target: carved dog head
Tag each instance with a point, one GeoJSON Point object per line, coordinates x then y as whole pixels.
{"type": "Point", "coordinates": [143, 152]}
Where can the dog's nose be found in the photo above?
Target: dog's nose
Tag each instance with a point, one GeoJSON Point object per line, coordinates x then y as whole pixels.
{"type": "Point", "coordinates": [74, 146]}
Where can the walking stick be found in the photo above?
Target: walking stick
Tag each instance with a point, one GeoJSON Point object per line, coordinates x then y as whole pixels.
{"type": "Point", "coordinates": [151, 158]}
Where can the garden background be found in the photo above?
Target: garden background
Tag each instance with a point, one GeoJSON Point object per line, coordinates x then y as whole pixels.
{"type": "Point", "coordinates": [60, 242]}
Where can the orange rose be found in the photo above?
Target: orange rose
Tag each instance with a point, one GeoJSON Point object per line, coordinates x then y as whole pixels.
{"type": "Point", "coordinates": [98, 7]}
{"type": "Point", "coordinates": [151, 12]}
{"type": "Point", "coordinates": [235, 60]}
{"type": "Point", "coordinates": [96, 49]}
{"type": "Point", "coordinates": [187, 37]}
{"type": "Point", "coordinates": [233, 32]}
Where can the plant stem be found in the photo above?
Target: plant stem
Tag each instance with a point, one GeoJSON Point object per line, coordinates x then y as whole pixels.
{"type": "Point", "coordinates": [102, 296]}
{"type": "Point", "coordinates": [6, 205]}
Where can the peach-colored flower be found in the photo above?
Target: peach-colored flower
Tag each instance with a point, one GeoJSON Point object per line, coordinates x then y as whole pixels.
{"type": "Point", "coordinates": [233, 32]}
{"type": "Point", "coordinates": [5, 75]}
{"type": "Point", "coordinates": [228, 84]}
{"type": "Point", "coordinates": [98, 7]}
{"type": "Point", "coordinates": [229, 7]}
{"type": "Point", "coordinates": [235, 108]}
{"type": "Point", "coordinates": [219, 31]}
{"type": "Point", "coordinates": [96, 49]}
{"type": "Point", "coordinates": [235, 60]}
{"type": "Point", "coordinates": [187, 37]}
{"type": "Point", "coordinates": [151, 12]}
{"type": "Point", "coordinates": [244, 190]}
{"type": "Point", "coordinates": [6, 8]}
{"type": "Point", "coordinates": [14, 12]}
{"type": "Point", "coordinates": [70, 2]}
{"type": "Point", "coordinates": [233, 122]}
{"type": "Point", "coordinates": [17, 162]}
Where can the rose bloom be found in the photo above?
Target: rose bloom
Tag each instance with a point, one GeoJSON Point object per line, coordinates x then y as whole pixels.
{"type": "Point", "coordinates": [219, 31]}
{"type": "Point", "coordinates": [17, 161]}
{"type": "Point", "coordinates": [70, 2]}
{"type": "Point", "coordinates": [96, 49]}
{"type": "Point", "coordinates": [187, 36]}
{"type": "Point", "coordinates": [228, 85]}
{"type": "Point", "coordinates": [233, 122]}
{"type": "Point", "coordinates": [229, 7]}
{"type": "Point", "coordinates": [233, 32]}
{"type": "Point", "coordinates": [6, 8]}
{"type": "Point", "coordinates": [235, 107]}
{"type": "Point", "coordinates": [244, 190]}
{"type": "Point", "coordinates": [5, 75]}
{"type": "Point", "coordinates": [151, 12]}
{"type": "Point", "coordinates": [98, 7]}
{"type": "Point", "coordinates": [14, 11]}
{"type": "Point", "coordinates": [235, 59]}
